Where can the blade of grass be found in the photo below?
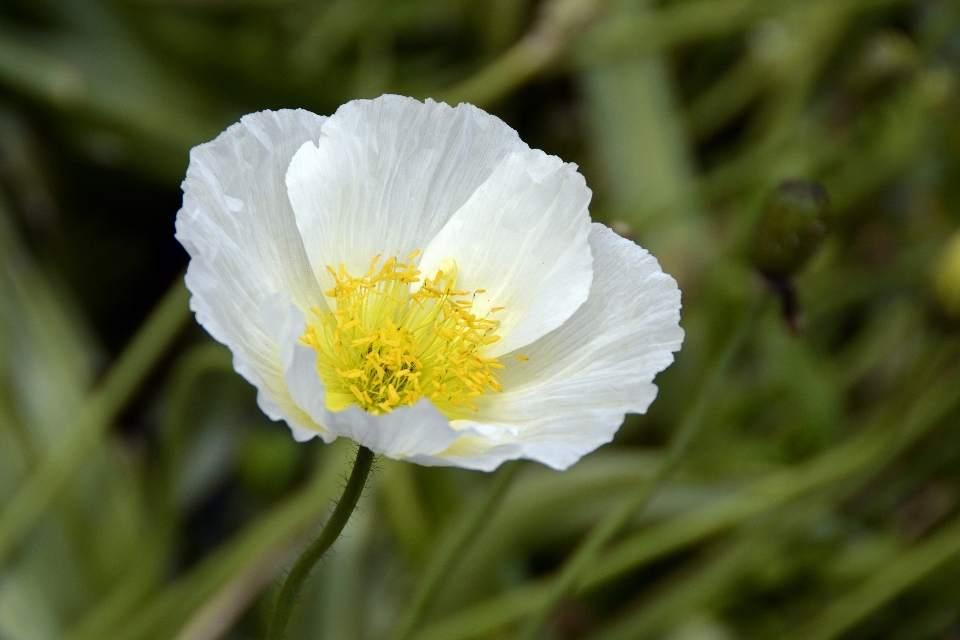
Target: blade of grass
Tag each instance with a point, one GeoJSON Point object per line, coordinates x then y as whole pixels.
{"type": "Point", "coordinates": [863, 454]}
{"type": "Point", "coordinates": [885, 585]}
{"type": "Point", "coordinates": [586, 553]}
{"type": "Point", "coordinates": [558, 25]}
{"type": "Point", "coordinates": [282, 528]}
{"type": "Point", "coordinates": [54, 471]}
{"type": "Point", "coordinates": [453, 548]}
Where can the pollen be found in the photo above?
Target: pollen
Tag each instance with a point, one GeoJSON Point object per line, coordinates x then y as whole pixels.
{"type": "Point", "coordinates": [386, 345]}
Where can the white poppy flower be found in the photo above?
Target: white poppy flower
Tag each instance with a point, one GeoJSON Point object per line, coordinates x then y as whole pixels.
{"type": "Point", "coordinates": [414, 277]}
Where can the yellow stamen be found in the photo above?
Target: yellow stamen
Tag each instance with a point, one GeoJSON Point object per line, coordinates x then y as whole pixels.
{"type": "Point", "coordinates": [386, 346]}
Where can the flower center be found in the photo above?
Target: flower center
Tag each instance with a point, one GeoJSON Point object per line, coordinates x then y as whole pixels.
{"type": "Point", "coordinates": [384, 345]}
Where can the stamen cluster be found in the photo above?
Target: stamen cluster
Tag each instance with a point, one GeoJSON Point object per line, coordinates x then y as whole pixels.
{"type": "Point", "coordinates": [385, 346]}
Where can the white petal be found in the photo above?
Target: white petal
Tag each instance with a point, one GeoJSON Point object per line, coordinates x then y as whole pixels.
{"type": "Point", "coordinates": [385, 175]}
{"type": "Point", "coordinates": [286, 324]}
{"type": "Point", "coordinates": [581, 379]}
{"type": "Point", "coordinates": [522, 238]}
{"type": "Point", "coordinates": [403, 433]}
{"type": "Point", "coordinates": [237, 225]}
{"type": "Point", "coordinates": [407, 431]}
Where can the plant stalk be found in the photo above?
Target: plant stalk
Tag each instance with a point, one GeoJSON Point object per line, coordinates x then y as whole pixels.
{"type": "Point", "coordinates": [304, 564]}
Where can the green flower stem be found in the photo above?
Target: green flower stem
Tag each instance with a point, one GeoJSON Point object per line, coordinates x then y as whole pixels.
{"type": "Point", "coordinates": [586, 554]}
{"type": "Point", "coordinates": [53, 473]}
{"type": "Point", "coordinates": [331, 531]}
{"type": "Point", "coordinates": [446, 558]}
{"type": "Point", "coordinates": [884, 585]}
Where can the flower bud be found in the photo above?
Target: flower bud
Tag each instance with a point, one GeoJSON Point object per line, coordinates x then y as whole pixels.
{"type": "Point", "coordinates": [791, 229]}
{"type": "Point", "coordinates": [946, 278]}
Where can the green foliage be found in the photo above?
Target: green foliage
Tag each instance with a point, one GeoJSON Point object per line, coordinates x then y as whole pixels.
{"type": "Point", "coordinates": [143, 496]}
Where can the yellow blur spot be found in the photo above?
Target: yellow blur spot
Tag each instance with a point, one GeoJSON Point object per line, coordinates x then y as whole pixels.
{"type": "Point", "coordinates": [946, 279]}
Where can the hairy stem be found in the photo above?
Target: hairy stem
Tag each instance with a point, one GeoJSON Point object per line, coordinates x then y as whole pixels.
{"type": "Point", "coordinates": [304, 564]}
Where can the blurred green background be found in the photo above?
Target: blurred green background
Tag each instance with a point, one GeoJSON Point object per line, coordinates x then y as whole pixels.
{"type": "Point", "coordinates": [143, 496]}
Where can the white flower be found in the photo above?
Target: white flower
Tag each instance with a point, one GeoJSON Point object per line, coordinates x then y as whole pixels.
{"type": "Point", "coordinates": [414, 277]}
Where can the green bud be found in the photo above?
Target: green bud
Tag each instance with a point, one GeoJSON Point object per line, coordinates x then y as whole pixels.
{"type": "Point", "coordinates": [791, 229]}
{"type": "Point", "coordinates": [946, 278]}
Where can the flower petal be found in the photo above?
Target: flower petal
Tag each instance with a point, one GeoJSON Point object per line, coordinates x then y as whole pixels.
{"type": "Point", "coordinates": [582, 378]}
{"type": "Point", "coordinates": [521, 238]}
{"type": "Point", "coordinates": [285, 324]}
{"type": "Point", "coordinates": [237, 225]}
{"type": "Point", "coordinates": [403, 433]}
{"type": "Point", "coordinates": [385, 175]}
